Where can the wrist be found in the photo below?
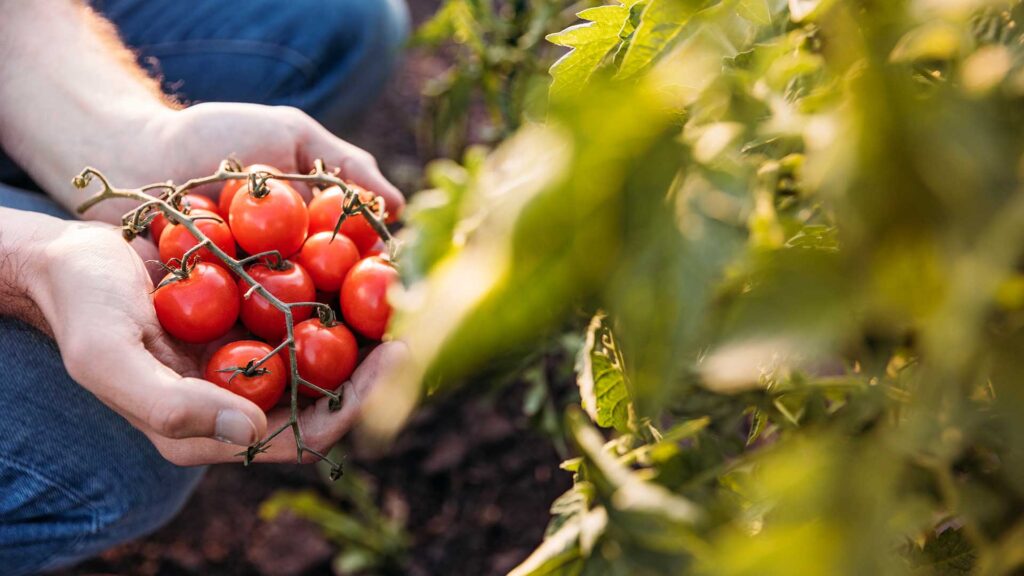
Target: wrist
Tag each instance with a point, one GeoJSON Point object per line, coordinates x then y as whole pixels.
{"type": "Point", "coordinates": [24, 237]}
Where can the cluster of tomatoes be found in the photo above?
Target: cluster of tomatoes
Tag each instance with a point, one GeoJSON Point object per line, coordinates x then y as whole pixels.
{"type": "Point", "coordinates": [201, 300]}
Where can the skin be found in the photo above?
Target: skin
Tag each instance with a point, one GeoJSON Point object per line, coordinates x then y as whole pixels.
{"type": "Point", "coordinates": [70, 96]}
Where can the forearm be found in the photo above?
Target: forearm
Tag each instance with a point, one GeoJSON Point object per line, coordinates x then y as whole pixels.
{"type": "Point", "coordinates": [71, 94]}
{"type": "Point", "coordinates": [22, 240]}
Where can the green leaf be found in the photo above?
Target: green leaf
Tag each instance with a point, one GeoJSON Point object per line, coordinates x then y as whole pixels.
{"type": "Point", "coordinates": [948, 554]}
{"type": "Point", "coordinates": [560, 553]}
{"type": "Point", "coordinates": [602, 381]}
{"type": "Point", "coordinates": [660, 24]}
{"type": "Point", "coordinates": [589, 44]}
{"type": "Point", "coordinates": [629, 493]}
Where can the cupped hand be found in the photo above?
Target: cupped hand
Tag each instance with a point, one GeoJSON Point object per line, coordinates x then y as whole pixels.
{"type": "Point", "coordinates": [189, 143]}
{"type": "Point", "coordinates": [94, 291]}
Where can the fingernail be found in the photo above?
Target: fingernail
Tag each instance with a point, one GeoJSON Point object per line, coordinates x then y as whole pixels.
{"type": "Point", "coordinates": [234, 427]}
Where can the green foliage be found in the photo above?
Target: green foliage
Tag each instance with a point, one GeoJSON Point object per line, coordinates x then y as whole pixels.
{"type": "Point", "coordinates": [804, 224]}
{"type": "Point", "coordinates": [589, 44]}
{"type": "Point", "coordinates": [498, 74]}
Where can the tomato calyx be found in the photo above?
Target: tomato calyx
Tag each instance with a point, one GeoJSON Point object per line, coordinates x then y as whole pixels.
{"type": "Point", "coordinates": [258, 184]}
{"type": "Point", "coordinates": [175, 273]}
{"type": "Point", "coordinates": [326, 316]}
{"type": "Point", "coordinates": [274, 261]}
{"type": "Point", "coordinates": [252, 369]}
{"type": "Point", "coordinates": [354, 205]}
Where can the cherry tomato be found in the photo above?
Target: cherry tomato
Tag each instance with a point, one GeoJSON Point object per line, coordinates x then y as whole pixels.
{"type": "Point", "coordinates": [364, 296]}
{"type": "Point", "coordinates": [265, 387]}
{"type": "Point", "coordinates": [290, 284]}
{"type": "Point", "coordinates": [157, 226]}
{"type": "Point", "coordinates": [328, 259]}
{"type": "Point", "coordinates": [325, 355]}
{"type": "Point", "coordinates": [231, 187]}
{"type": "Point", "coordinates": [326, 208]}
{"type": "Point", "coordinates": [176, 239]}
{"type": "Point", "coordinates": [277, 221]}
{"type": "Point", "coordinates": [200, 308]}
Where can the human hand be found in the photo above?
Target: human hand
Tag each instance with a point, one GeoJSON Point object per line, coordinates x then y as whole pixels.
{"type": "Point", "coordinates": [93, 292]}
{"type": "Point", "coordinates": [183, 144]}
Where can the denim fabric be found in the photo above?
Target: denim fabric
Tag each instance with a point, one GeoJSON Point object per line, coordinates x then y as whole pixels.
{"type": "Point", "coordinates": [76, 478]}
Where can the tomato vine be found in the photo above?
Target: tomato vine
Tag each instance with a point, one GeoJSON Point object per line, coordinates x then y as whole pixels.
{"type": "Point", "coordinates": [165, 199]}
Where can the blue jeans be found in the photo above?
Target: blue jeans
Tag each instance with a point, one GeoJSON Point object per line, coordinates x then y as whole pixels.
{"type": "Point", "coordinates": [76, 478]}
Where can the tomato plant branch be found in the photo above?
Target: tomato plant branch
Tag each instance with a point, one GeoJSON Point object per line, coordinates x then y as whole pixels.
{"type": "Point", "coordinates": [168, 202]}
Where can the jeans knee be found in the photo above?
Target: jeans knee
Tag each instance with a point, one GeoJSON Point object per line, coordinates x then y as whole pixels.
{"type": "Point", "coordinates": [393, 16]}
{"type": "Point", "coordinates": [140, 502]}
{"type": "Point", "coordinates": [363, 47]}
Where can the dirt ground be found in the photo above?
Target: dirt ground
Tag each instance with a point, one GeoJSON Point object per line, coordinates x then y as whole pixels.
{"type": "Point", "coordinates": [472, 479]}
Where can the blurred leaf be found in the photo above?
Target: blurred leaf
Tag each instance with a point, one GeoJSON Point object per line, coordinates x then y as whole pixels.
{"type": "Point", "coordinates": [801, 10]}
{"type": "Point", "coordinates": [757, 11]}
{"type": "Point", "coordinates": [602, 381]}
{"type": "Point", "coordinates": [948, 554]}
{"type": "Point", "coordinates": [932, 41]}
{"type": "Point", "coordinates": [455, 20]}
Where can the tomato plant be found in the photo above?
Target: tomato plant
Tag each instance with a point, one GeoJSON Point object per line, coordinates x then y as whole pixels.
{"type": "Point", "coordinates": [191, 202]}
{"type": "Point", "coordinates": [326, 208]}
{"type": "Point", "coordinates": [176, 239]}
{"type": "Point", "coordinates": [234, 367]}
{"type": "Point", "coordinates": [273, 219]}
{"type": "Point", "coordinates": [326, 355]}
{"type": "Point", "coordinates": [288, 282]}
{"type": "Point", "coordinates": [798, 229]}
{"type": "Point", "coordinates": [328, 258]}
{"type": "Point", "coordinates": [200, 307]}
{"type": "Point", "coordinates": [364, 296]}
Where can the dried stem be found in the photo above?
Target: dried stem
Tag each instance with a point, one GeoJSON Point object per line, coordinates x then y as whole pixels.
{"type": "Point", "coordinates": [166, 198]}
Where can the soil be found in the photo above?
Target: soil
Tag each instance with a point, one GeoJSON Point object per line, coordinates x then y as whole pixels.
{"type": "Point", "coordinates": [471, 478]}
{"type": "Point", "coordinates": [469, 475]}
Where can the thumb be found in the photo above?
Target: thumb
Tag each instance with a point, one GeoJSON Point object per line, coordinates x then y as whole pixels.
{"type": "Point", "coordinates": [146, 391]}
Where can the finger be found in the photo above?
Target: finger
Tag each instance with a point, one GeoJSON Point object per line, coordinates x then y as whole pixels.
{"type": "Point", "coordinates": [356, 165]}
{"type": "Point", "coordinates": [321, 427]}
{"type": "Point", "coordinates": [282, 449]}
{"type": "Point", "coordinates": [138, 386]}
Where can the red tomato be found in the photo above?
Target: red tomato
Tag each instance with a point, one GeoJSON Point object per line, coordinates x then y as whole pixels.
{"type": "Point", "coordinates": [328, 259]}
{"type": "Point", "coordinates": [231, 187]}
{"type": "Point", "coordinates": [157, 226]}
{"type": "Point", "coordinates": [200, 308]}
{"type": "Point", "coordinates": [364, 296]}
{"type": "Point", "coordinates": [176, 239]}
{"type": "Point", "coordinates": [263, 389]}
{"type": "Point", "coordinates": [291, 284]}
{"type": "Point", "coordinates": [326, 208]}
{"type": "Point", "coordinates": [325, 355]}
{"type": "Point", "coordinates": [277, 221]}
